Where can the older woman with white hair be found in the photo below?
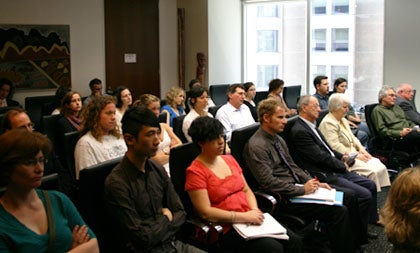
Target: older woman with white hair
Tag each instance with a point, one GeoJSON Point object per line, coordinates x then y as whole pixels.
{"type": "Point", "coordinates": [339, 136]}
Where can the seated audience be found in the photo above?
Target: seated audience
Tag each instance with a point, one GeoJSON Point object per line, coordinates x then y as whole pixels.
{"type": "Point", "coordinates": [6, 93]}
{"type": "Point", "coordinates": [234, 114]}
{"type": "Point", "coordinates": [390, 121]}
{"type": "Point", "coordinates": [55, 107]}
{"type": "Point", "coordinates": [174, 103]}
{"type": "Point", "coordinates": [358, 127]}
{"type": "Point", "coordinates": [219, 192]}
{"type": "Point", "coordinates": [71, 107]}
{"type": "Point", "coordinates": [193, 83]}
{"type": "Point", "coordinates": [322, 87]}
{"type": "Point", "coordinates": [270, 163]}
{"type": "Point", "coordinates": [124, 100]}
{"type": "Point", "coordinates": [167, 137]}
{"type": "Point", "coordinates": [95, 86]}
{"type": "Point", "coordinates": [311, 152]}
{"type": "Point", "coordinates": [198, 100]}
{"type": "Point", "coordinates": [140, 195]}
{"type": "Point", "coordinates": [405, 96]}
{"type": "Point", "coordinates": [250, 92]}
{"type": "Point", "coordinates": [402, 212]}
{"type": "Point", "coordinates": [101, 139]}
{"type": "Point", "coordinates": [31, 219]}
{"type": "Point", "coordinates": [338, 135]}
{"type": "Point", "coordinates": [275, 90]}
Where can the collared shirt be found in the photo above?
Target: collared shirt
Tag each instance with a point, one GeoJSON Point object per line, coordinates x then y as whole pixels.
{"type": "Point", "coordinates": [313, 128]}
{"type": "Point", "coordinates": [389, 121]}
{"type": "Point", "coordinates": [232, 118]}
{"type": "Point", "coordinates": [191, 116]}
{"type": "Point", "coordinates": [136, 200]}
{"type": "Point", "coordinates": [322, 100]}
{"type": "Point", "coordinates": [265, 164]}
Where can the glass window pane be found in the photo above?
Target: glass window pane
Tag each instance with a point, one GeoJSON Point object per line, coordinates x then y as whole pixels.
{"type": "Point", "coordinates": [267, 41]}
{"type": "Point", "coordinates": [319, 39]}
{"type": "Point", "coordinates": [340, 39]}
{"type": "Point", "coordinates": [338, 71]}
{"type": "Point", "coordinates": [319, 7]}
{"type": "Point", "coordinates": [340, 6]}
{"type": "Point", "coordinates": [268, 11]}
{"type": "Point", "coordinates": [265, 74]}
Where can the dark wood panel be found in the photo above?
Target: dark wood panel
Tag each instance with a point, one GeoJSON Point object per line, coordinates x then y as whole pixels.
{"type": "Point", "coordinates": [132, 26]}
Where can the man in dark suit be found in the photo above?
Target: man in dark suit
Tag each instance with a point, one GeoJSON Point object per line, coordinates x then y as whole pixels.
{"type": "Point", "coordinates": [312, 153]}
{"type": "Point", "coordinates": [6, 92]}
{"type": "Point", "coordinates": [405, 96]}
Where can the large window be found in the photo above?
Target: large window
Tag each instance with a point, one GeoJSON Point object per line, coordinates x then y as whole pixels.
{"type": "Point", "coordinates": [283, 39]}
{"type": "Point", "coordinates": [267, 41]}
{"type": "Point", "coordinates": [340, 39]}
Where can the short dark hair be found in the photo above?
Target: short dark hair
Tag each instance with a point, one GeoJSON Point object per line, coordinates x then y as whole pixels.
{"type": "Point", "coordinates": [318, 79]}
{"type": "Point", "coordinates": [6, 123]}
{"type": "Point", "coordinates": [93, 82]}
{"type": "Point", "coordinates": [136, 117]}
{"type": "Point", "coordinates": [204, 129]}
{"type": "Point", "coordinates": [196, 92]}
{"type": "Point", "coordinates": [192, 82]}
{"type": "Point", "coordinates": [275, 84]}
{"type": "Point", "coordinates": [17, 146]}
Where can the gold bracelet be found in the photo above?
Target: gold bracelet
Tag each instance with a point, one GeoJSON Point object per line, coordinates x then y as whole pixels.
{"type": "Point", "coordinates": [232, 216]}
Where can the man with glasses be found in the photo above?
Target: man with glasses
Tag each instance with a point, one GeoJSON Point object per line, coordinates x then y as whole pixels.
{"type": "Point", "coordinates": [391, 123]}
{"type": "Point", "coordinates": [18, 118]}
{"type": "Point", "coordinates": [234, 114]}
{"type": "Point", "coordinates": [405, 95]}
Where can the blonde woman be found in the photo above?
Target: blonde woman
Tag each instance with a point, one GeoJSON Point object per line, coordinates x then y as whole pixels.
{"type": "Point", "coordinates": [174, 103]}
{"type": "Point", "coordinates": [167, 137]}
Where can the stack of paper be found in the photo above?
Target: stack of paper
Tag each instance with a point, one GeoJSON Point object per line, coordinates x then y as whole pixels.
{"type": "Point", "coordinates": [321, 196]}
{"type": "Point", "coordinates": [269, 228]}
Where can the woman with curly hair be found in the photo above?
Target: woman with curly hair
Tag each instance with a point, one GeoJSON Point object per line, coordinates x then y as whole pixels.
{"type": "Point", "coordinates": [167, 137]}
{"type": "Point", "coordinates": [402, 212]}
{"type": "Point", "coordinates": [174, 103]}
{"type": "Point", "coordinates": [101, 139]}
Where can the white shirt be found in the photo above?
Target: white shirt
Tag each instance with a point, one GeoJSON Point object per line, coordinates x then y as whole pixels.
{"type": "Point", "coordinates": [89, 151]}
{"type": "Point", "coordinates": [191, 116]}
{"type": "Point", "coordinates": [232, 118]}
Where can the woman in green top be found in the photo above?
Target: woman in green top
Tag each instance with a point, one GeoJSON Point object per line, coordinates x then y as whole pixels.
{"type": "Point", "coordinates": [32, 220]}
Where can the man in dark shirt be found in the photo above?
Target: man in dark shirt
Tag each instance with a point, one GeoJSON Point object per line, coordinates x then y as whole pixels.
{"type": "Point", "coordinates": [139, 193]}
{"type": "Point", "coordinates": [405, 95]}
{"type": "Point", "coordinates": [278, 173]}
{"type": "Point", "coordinates": [322, 87]}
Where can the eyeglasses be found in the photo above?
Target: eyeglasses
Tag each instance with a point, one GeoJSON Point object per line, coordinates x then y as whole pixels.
{"type": "Point", "coordinates": [392, 95]}
{"type": "Point", "coordinates": [33, 162]}
{"type": "Point", "coordinates": [28, 126]}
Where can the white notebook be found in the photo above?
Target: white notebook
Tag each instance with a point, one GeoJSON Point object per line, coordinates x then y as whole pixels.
{"type": "Point", "coordinates": [269, 228]}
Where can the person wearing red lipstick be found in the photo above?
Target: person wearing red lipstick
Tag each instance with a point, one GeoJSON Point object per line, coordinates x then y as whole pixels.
{"type": "Point", "coordinates": [31, 219]}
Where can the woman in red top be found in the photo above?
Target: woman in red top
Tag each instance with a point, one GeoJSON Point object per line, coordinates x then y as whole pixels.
{"type": "Point", "coordinates": [219, 192]}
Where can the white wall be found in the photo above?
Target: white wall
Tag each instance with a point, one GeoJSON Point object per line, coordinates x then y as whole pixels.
{"type": "Point", "coordinates": [402, 40]}
{"type": "Point", "coordinates": [225, 46]}
{"type": "Point", "coordinates": [168, 47]}
{"type": "Point", "coordinates": [87, 39]}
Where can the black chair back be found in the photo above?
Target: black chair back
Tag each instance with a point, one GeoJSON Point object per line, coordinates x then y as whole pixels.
{"type": "Point", "coordinates": [321, 116]}
{"type": "Point", "coordinates": [180, 159]}
{"type": "Point", "coordinates": [34, 107]}
{"type": "Point", "coordinates": [49, 127]}
{"type": "Point", "coordinates": [50, 182]}
{"type": "Point", "coordinates": [213, 110]}
{"type": "Point", "coordinates": [91, 203]}
{"type": "Point", "coordinates": [218, 93]}
{"type": "Point", "coordinates": [260, 95]}
{"type": "Point", "coordinates": [3, 110]}
{"type": "Point", "coordinates": [237, 144]}
{"type": "Point", "coordinates": [70, 140]}
{"type": "Point", "coordinates": [177, 128]}
{"type": "Point", "coordinates": [291, 95]}
{"type": "Point", "coordinates": [163, 116]}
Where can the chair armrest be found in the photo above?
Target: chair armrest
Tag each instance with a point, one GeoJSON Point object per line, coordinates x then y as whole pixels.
{"type": "Point", "coordinates": [265, 201]}
{"type": "Point", "coordinates": [205, 233]}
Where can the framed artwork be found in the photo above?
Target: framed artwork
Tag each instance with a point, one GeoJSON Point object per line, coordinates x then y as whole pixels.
{"type": "Point", "coordinates": [35, 56]}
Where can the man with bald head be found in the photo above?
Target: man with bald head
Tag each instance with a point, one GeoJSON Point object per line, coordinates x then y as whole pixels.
{"type": "Point", "coordinates": [405, 94]}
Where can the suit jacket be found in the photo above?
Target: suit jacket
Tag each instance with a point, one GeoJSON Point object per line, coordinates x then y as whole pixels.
{"type": "Point", "coordinates": [409, 109]}
{"type": "Point", "coordinates": [11, 102]}
{"type": "Point", "coordinates": [310, 153]}
{"type": "Point", "coordinates": [338, 137]}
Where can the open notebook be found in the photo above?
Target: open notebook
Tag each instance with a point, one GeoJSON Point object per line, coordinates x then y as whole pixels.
{"type": "Point", "coordinates": [269, 228]}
